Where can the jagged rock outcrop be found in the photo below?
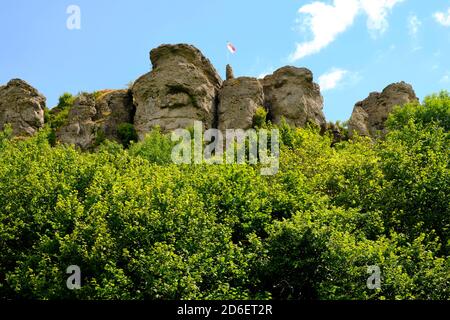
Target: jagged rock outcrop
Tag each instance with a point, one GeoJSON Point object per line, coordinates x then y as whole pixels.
{"type": "Point", "coordinates": [369, 116]}
{"type": "Point", "coordinates": [290, 93]}
{"type": "Point", "coordinates": [80, 129]}
{"type": "Point", "coordinates": [181, 88]}
{"type": "Point", "coordinates": [239, 98]}
{"type": "Point", "coordinates": [184, 87]}
{"type": "Point", "coordinates": [113, 109]}
{"type": "Point", "coordinates": [21, 106]}
{"type": "Point", "coordinates": [96, 117]}
{"type": "Point", "coordinates": [229, 72]}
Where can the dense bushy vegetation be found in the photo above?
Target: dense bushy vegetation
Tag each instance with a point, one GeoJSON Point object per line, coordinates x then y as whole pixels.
{"type": "Point", "coordinates": [58, 116]}
{"type": "Point", "coordinates": [141, 227]}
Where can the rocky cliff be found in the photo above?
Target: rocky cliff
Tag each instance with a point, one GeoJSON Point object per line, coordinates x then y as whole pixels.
{"type": "Point", "coordinates": [182, 87]}
{"type": "Point", "coordinates": [96, 117]}
{"type": "Point", "coordinates": [290, 93]}
{"type": "Point", "coordinates": [238, 100]}
{"type": "Point", "coordinates": [369, 116]}
{"type": "Point", "coordinates": [21, 106]}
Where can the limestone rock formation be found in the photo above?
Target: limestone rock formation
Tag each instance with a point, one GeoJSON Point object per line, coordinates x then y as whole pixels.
{"type": "Point", "coordinates": [113, 109]}
{"type": "Point", "coordinates": [181, 88]}
{"type": "Point", "coordinates": [239, 99]}
{"type": "Point", "coordinates": [290, 93]}
{"type": "Point", "coordinates": [184, 87]}
{"type": "Point", "coordinates": [369, 116]}
{"type": "Point", "coordinates": [229, 72]}
{"type": "Point", "coordinates": [21, 106]}
{"type": "Point", "coordinates": [80, 129]}
{"type": "Point", "coordinates": [92, 118]}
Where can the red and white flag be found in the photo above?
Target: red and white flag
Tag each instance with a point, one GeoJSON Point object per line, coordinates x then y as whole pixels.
{"type": "Point", "coordinates": [231, 47]}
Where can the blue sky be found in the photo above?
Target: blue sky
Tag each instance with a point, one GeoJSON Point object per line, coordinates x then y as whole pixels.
{"type": "Point", "coordinates": [353, 47]}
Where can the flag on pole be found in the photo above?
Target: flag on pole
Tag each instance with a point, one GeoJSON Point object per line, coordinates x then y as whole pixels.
{"type": "Point", "coordinates": [231, 47]}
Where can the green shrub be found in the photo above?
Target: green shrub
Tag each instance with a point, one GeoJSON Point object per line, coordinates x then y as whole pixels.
{"type": "Point", "coordinates": [260, 117]}
{"type": "Point", "coordinates": [435, 109]}
{"type": "Point", "coordinates": [141, 227]}
{"type": "Point", "coordinates": [127, 134]}
{"type": "Point", "coordinates": [65, 101]}
{"type": "Point", "coordinates": [58, 116]}
{"type": "Point", "coordinates": [156, 148]}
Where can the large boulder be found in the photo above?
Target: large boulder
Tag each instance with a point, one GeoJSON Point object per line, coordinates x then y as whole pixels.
{"type": "Point", "coordinates": [94, 118]}
{"type": "Point", "coordinates": [239, 98]}
{"type": "Point", "coordinates": [290, 93]}
{"type": "Point", "coordinates": [21, 106]}
{"type": "Point", "coordinates": [181, 89]}
{"type": "Point", "coordinates": [369, 116]}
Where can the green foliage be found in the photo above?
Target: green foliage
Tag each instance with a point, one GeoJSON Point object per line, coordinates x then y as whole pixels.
{"type": "Point", "coordinates": [65, 101]}
{"type": "Point", "coordinates": [127, 134]}
{"type": "Point", "coordinates": [140, 227]}
{"type": "Point", "coordinates": [156, 148]}
{"type": "Point", "coordinates": [58, 116]}
{"type": "Point", "coordinates": [260, 117]}
{"type": "Point", "coordinates": [435, 109]}
{"type": "Point", "coordinates": [100, 137]}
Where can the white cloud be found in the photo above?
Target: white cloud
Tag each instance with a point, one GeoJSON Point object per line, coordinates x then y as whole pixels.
{"type": "Point", "coordinates": [377, 12]}
{"type": "Point", "coordinates": [327, 21]}
{"type": "Point", "coordinates": [443, 18]}
{"type": "Point", "coordinates": [445, 79]}
{"type": "Point", "coordinates": [414, 25]}
{"type": "Point", "coordinates": [332, 79]}
{"type": "Point", "coordinates": [266, 72]}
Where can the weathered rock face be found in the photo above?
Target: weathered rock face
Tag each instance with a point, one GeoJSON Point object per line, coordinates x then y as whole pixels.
{"type": "Point", "coordinates": [239, 99]}
{"type": "Point", "coordinates": [181, 88]}
{"type": "Point", "coordinates": [80, 130]}
{"type": "Point", "coordinates": [290, 93]}
{"type": "Point", "coordinates": [21, 106]}
{"type": "Point", "coordinates": [369, 116]}
{"type": "Point", "coordinates": [229, 72]}
{"type": "Point", "coordinates": [113, 109]}
{"type": "Point", "coordinates": [92, 119]}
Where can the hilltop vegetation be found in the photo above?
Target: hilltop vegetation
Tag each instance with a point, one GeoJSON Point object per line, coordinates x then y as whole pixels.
{"type": "Point", "coordinates": [140, 227]}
